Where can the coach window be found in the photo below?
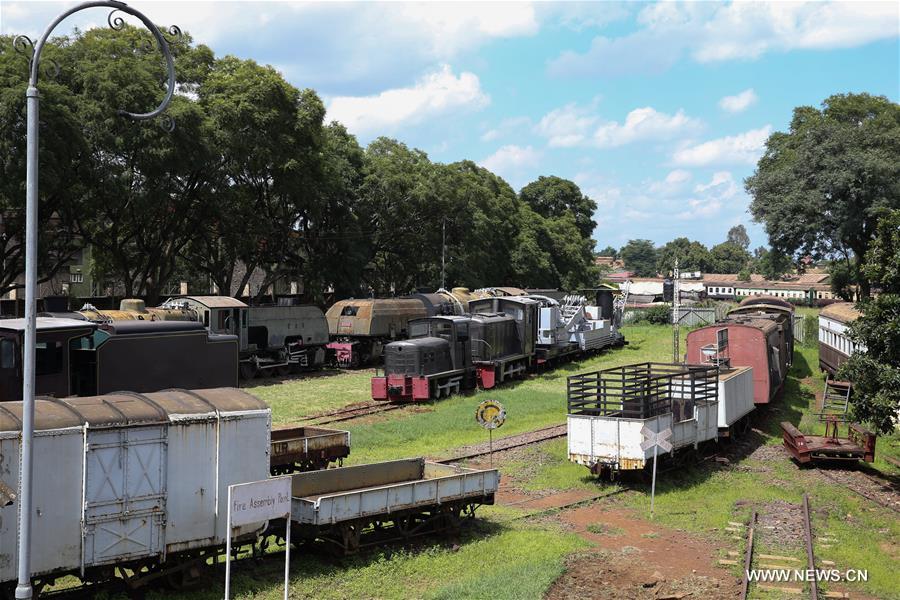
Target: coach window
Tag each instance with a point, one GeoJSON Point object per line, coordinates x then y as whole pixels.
{"type": "Point", "coordinates": [7, 354]}
{"type": "Point", "coordinates": [349, 311]}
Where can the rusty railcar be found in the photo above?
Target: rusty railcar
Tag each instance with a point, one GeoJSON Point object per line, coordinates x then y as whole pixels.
{"type": "Point", "coordinates": [298, 449]}
{"type": "Point", "coordinates": [360, 328]}
{"type": "Point", "coordinates": [757, 334]}
{"type": "Point", "coordinates": [835, 345]}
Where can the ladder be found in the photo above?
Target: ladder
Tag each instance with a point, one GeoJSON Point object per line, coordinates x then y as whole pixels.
{"type": "Point", "coordinates": [836, 398]}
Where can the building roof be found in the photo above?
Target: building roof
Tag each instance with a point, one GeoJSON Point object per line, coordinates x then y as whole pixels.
{"type": "Point", "coordinates": [46, 324]}
{"type": "Point", "coordinates": [843, 312]}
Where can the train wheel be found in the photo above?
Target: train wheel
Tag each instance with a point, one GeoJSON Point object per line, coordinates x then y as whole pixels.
{"type": "Point", "coordinates": [283, 371]}
{"type": "Point", "coordinates": [248, 370]}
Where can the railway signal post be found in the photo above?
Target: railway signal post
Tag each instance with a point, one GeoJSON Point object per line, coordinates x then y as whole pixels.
{"type": "Point", "coordinates": [655, 440]}
{"type": "Point", "coordinates": [24, 45]}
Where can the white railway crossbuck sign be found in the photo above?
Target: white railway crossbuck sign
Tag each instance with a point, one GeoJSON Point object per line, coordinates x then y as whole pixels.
{"type": "Point", "coordinates": [655, 440]}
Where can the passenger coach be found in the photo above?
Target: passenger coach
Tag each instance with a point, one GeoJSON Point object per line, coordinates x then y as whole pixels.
{"type": "Point", "coordinates": [835, 345]}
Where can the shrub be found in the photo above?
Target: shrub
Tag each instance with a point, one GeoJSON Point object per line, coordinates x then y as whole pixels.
{"type": "Point", "coordinates": [659, 314]}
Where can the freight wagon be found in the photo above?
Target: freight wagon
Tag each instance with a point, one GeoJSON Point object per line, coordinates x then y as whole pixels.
{"type": "Point", "coordinates": [609, 409]}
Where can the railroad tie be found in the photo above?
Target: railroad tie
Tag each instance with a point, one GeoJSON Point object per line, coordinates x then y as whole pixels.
{"type": "Point", "coordinates": [783, 590]}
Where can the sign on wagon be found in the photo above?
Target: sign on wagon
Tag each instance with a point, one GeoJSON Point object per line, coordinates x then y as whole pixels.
{"type": "Point", "coordinates": [255, 502]}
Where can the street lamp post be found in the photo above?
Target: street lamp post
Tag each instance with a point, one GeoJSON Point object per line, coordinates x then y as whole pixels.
{"type": "Point", "coordinates": [23, 588]}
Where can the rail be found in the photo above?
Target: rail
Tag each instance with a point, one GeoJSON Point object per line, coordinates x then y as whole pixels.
{"type": "Point", "coordinates": [641, 391]}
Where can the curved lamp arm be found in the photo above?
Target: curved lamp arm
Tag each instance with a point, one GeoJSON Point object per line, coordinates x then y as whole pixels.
{"type": "Point", "coordinates": [115, 23]}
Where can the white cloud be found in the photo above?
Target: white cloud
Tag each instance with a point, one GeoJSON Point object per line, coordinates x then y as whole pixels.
{"type": "Point", "coordinates": [490, 135]}
{"type": "Point", "coordinates": [435, 94]}
{"type": "Point", "coordinates": [338, 48]}
{"type": "Point", "coordinates": [572, 125]}
{"type": "Point", "coordinates": [507, 126]}
{"type": "Point", "coordinates": [673, 184]}
{"type": "Point", "coordinates": [711, 32]}
{"type": "Point", "coordinates": [710, 198]}
{"type": "Point", "coordinates": [738, 102]}
{"type": "Point", "coordinates": [744, 148]}
{"type": "Point", "coordinates": [567, 126]}
{"type": "Point", "coordinates": [511, 157]}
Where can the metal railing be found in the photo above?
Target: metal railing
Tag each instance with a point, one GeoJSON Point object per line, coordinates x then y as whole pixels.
{"type": "Point", "coordinates": [643, 390]}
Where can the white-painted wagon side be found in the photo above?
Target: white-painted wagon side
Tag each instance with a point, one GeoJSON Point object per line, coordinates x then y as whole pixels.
{"type": "Point", "coordinates": [129, 478]}
{"type": "Point", "coordinates": [608, 410]}
{"type": "Point", "coordinates": [411, 496]}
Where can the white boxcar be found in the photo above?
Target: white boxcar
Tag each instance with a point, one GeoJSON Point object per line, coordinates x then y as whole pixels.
{"type": "Point", "coordinates": [608, 410]}
{"type": "Point", "coordinates": [129, 477]}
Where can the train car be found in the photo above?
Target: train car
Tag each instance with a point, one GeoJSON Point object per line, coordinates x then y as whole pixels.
{"type": "Point", "coordinates": [436, 361]}
{"type": "Point", "coordinates": [835, 346]}
{"type": "Point", "coordinates": [608, 411]}
{"type": "Point", "coordinates": [130, 480]}
{"type": "Point", "coordinates": [82, 358]}
{"type": "Point", "coordinates": [758, 334]}
{"type": "Point", "coordinates": [359, 329]}
{"type": "Point", "coordinates": [273, 339]}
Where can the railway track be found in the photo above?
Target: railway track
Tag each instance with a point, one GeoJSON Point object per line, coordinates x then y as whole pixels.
{"type": "Point", "coordinates": [347, 414]}
{"type": "Point", "coordinates": [883, 493]}
{"type": "Point", "coordinates": [753, 534]}
{"type": "Point", "coordinates": [514, 441]}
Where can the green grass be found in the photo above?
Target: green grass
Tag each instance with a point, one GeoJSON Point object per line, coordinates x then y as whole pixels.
{"type": "Point", "coordinates": [492, 560]}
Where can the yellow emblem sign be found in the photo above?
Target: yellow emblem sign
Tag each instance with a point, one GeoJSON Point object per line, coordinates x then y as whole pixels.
{"type": "Point", "coordinates": [490, 414]}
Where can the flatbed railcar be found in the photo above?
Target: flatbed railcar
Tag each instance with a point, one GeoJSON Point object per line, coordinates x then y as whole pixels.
{"type": "Point", "coordinates": [835, 345]}
{"type": "Point", "coordinates": [352, 507]}
{"type": "Point", "coordinates": [297, 449]}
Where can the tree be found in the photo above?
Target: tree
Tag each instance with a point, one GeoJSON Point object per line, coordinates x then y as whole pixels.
{"type": "Point", "coordinates": [728, 257]}
{"type": "Point", "coordinates": [875, 373]}
{"type": "Point", "coordinates": [64, 180]}
{"type": "Point", "coordinates": [639, 256]}
{"type": "Point", "coordinates": [737, 235]}
{"type": "Point", "coordinates": [841, 279]}
{"type": "Point", "coordinates": [142, 184]}
{"type": "Point", "coordinates": [883, 260]}
{"type": "Point", "coordinates": [771, 264]}
{"type": "Point", "coordinates": [609, 251]}
{"type": "Point", "coordinates": [691, 255]}
{"type": "Point", "coordinates": [551, 197]}
{"type": "Point", "coordinates": [819, 188]}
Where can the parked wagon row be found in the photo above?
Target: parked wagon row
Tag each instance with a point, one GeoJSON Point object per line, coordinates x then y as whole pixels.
{"type": "Point", "coordinates": [140, 483]}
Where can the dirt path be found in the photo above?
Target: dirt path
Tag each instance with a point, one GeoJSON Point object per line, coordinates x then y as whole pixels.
{"type": "Point", "coordinates": [635, 558]}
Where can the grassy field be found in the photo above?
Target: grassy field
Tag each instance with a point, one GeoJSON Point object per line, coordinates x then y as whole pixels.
{"type": "Point", "coordinates": [500, 558]}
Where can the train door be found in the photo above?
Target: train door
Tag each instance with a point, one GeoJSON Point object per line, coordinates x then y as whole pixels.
{"type": "Point", "coordinates": [124, 512]}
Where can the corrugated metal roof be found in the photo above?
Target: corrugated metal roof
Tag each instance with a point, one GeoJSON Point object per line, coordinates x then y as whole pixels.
{"type": "Point", "coordinates": [843, 312]}
{"type": "Point", "coordinates": [127, 408]}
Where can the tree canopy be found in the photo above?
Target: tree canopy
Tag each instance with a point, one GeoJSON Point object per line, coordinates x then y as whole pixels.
{"type": "Point", "coordinates": [252, 175]}
{"type": "Point", "coordinates": [820, 187]}
{"type": "Point", "coordinates": [640, 257]}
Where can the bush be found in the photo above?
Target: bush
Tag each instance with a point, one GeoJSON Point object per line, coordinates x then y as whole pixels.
{"type": "Point", "coordinates": [660, 314]}
{"type": "Point", "coordinates": [810, 330]}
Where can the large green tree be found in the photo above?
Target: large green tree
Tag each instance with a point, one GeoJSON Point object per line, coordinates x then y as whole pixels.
{"type": "Point", "coordinates": [728, 257]}
{"type": "Point", "coordinates": [738, 235]}
{"type": "Point", "coordinates": [691, 255]}
{"type": "Point", "coordinates": [640, 257]}
{"type": "Point", "coordinates": [552, 197]}
{"type": "Point", "coordinates": [820, 186]}
{"type": "Point", "coordinates": [65, 179]}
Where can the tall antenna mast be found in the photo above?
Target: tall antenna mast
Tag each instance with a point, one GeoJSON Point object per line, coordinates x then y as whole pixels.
{"type": "Point", "coordinates": [676, 314]}
{"type": "Point", "coordinates": [443, 252]}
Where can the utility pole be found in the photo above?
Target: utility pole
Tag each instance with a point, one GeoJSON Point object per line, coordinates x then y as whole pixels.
{"type": "Point", "coordinates": [32, 101]}
{"type": "Point", "coordinates": [443, 253]}
{"type": "Point", "coordinates": [676, 314]}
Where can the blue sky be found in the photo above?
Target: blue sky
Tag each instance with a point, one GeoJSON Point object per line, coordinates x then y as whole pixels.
{"type": "Point", "coordinates": [658, 111]}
